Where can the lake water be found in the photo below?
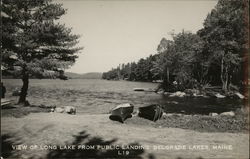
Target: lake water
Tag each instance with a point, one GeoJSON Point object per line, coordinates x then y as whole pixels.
{"type": "Point", "coordinates": [100, 96]}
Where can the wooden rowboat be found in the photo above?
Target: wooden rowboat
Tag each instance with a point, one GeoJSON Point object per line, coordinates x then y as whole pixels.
{"type": "Point", "coordinates": [122, 112]}
{"type": "Point", "coordinates": [152, 112]}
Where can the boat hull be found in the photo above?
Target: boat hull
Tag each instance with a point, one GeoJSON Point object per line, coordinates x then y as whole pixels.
{"type": "Point", "coordinates": [122, 112]}
{"type": "Point", "coordinates": [151, 112]}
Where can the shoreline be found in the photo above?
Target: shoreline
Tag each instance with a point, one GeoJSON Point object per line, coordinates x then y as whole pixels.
{"type": "Point", "coordinates": [67, 130]}
{"type": "Point", "coordinates": [197, 122]}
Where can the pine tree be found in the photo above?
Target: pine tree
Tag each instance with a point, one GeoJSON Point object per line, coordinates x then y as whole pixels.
{"type": "Point", "coordinates": [34, 43]}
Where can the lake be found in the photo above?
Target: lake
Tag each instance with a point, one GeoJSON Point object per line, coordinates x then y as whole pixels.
{"type": "Point", "coordinates": [94, 96]}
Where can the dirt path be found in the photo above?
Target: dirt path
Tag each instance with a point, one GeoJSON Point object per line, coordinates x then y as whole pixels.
{"type": "Point", "coordinates": [56, 129]}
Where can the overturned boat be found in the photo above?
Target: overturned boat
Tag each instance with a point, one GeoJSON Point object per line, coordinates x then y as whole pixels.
{"type": "Point", "coordinates": [122, 112]}
{"type": "Point", "coordinates": [152, 112]}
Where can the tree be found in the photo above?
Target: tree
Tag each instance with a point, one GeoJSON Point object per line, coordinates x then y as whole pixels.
{"type": "Point", "coordinates": [225, 36]}
{"type": "Point", "coordinates": [162, 64]}
{"type": "Point", "coordinates": [33, 41]}
{"type": "Point", "coordinates": [176, 60]}
{"type": "Point", "coordinates": [184, 57]}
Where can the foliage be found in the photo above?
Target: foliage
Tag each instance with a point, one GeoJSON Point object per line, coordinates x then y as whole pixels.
{"type": "Point", "coordinates": [33, 41]}
{"type": "Point", "coordinates": [139, 71]}
{"type": "Point", "coordinates": [225, 38]}
{"type": "Point", "coordinates": [215, 55]}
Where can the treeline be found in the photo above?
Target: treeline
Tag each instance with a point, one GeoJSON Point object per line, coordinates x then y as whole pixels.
{"type": "Point", "coordinates": [140, 71]}
{"type": "Point", "coordinates": [216, 55]}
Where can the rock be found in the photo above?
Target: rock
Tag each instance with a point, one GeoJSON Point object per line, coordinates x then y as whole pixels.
{"type": "Point", "coordinates": [170, 114]}
{"type": "Point", "coordinates": [231, 113]}
{"type": "Point", "coordinates": [66, 109]}
{"type": "Point", "coordinates": [240, 96]}
{"type": "Point", "coordinates": [178, 114]}
{"type": "Point", "coordinates": [70, 110]}
{"type": "Point", "coordinates": [213, 114]}
{"type": "Point", "coordinates": [198, 95]}
{"type": "Point", "coordinates": [160, 92]}
{"type": "Point", "coordinates": [192, 92]}
{"type": "Point", "coordinates": [52, 110]}
{"type": "Point", "coordinates": [16, 92]}
{"type": "Point", "coordinates": [59, 110]}
{"type": "Point", "coordinates": [218, 95]}
{"type": "Point", "coordinates": [165, 115]}
{"type": "Point", "coordinates": [178, 94]}
{"type": "Point", "coordinates": [173, 102]}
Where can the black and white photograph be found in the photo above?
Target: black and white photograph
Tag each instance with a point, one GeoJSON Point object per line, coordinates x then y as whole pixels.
{"type": "Point", "coordinates": [135, 79]}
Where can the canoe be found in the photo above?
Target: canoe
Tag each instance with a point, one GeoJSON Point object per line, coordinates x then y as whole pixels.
{"type": "Point", "coordinates": [122, 112]}
{"type": "Point", "coordinates": [152, 112]}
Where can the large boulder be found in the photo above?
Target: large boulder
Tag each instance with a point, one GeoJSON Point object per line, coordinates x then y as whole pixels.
{"type": "Point", "coordinates": [178, 94]}
{"type": "Point", "coordinates": [240, 96]}
{"type": "Point", "coordinates": [231, 113]}
{"type": "Point", "coordinates": [16, 92]}
{"type": "Point", "coordinates": [66, 109]}
{"type": "Point", "coordinates": [218, 95]}
{"type": "Point", "coordinates": [58, 110]}
{"type": "Point", "coordinates": [213, 114]}
{"type": "Point", "coordinates": [70, 110]}
{"type": "Point", "coordinates": [192, 92]}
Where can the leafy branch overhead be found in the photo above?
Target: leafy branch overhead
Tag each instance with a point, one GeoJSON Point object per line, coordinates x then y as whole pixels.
{"type": "Point", "coordinates": [34, 43]}
{"type": "Point", "coordinates": [32, 35]}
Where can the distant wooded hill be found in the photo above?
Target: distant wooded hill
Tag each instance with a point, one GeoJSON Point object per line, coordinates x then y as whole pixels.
{"type": "Point", "coordinates": [90, 75]}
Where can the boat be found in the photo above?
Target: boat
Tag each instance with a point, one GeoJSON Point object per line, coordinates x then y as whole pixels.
{"type": "Point", "coordinates": [122, 112]}
{"type": "Point", "coordinates": [139, 89]}
{"type": "Point", "coordinates": [144, 89]}
{"type": "Point", "coordinates": [152, 112]}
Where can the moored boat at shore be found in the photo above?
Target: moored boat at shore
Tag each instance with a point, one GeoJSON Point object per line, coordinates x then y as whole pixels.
{"type": "Point", "coordinates": [152, 112]}
{"type": "Point", "coordinates": [122, 112]}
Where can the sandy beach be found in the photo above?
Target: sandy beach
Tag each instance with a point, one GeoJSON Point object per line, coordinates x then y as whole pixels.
{"type": "Point", "coordinates": [63, 129]}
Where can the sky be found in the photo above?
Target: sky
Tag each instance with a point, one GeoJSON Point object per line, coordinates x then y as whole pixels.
{"type": "Point", "coordinates": [115, 32]}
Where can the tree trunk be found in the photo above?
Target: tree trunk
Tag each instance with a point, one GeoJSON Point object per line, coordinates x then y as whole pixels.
{"type": "Point", "coordinates": [24, 90]}
{"type": "Point", "coordinates": [222, 73]}
{"type": "Point", "coordinates": [167, 74]}
{"type": "Point", "coordinates": [226, 79]}
{"type": "Point", "coordinates": [224, 76]}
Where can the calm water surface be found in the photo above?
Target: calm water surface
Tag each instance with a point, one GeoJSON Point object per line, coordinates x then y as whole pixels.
{"type": "Point", "coordinates": [99, 96]}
